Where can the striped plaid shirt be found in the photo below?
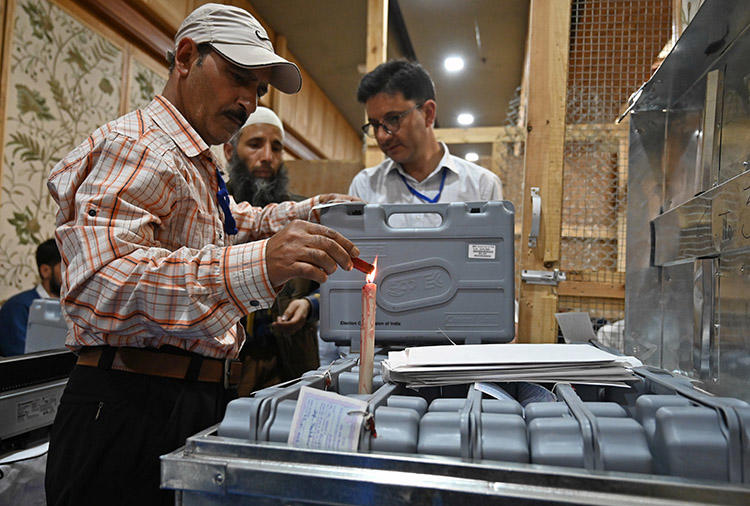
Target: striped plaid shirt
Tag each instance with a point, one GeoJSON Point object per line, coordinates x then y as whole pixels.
{"type": "Point", "coordinates": [146, 261]}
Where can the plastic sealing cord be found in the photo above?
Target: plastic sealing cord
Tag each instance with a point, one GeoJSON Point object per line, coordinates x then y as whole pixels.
{"type": "Point", "coordinates": [369, 420]}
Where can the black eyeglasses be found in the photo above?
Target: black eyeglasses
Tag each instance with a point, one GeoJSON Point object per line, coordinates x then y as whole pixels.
{"type": "Point", "coordinates": [390, 124]}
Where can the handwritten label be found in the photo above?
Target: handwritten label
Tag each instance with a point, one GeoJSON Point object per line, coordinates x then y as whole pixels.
{"type": "Point", "coordinates": [322, 420]}
{"type": "Point", "coordinates": [482, 251]}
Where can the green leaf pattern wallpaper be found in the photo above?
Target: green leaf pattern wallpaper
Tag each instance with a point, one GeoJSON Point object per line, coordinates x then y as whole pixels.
{"type": "Point", "coordinates": [63, 82]}
{"type": "Point", "coordinates": [144, 84]}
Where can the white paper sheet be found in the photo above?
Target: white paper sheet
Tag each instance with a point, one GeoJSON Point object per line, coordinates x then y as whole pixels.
{"type": "Point", "coordinates": [576, 326]}
{"type": "Point", "coordinates": [447, 365]}
{"type": "Point", "coordinates": [323, 420]}
{"type": "Point", "coordinates": [512, 353]}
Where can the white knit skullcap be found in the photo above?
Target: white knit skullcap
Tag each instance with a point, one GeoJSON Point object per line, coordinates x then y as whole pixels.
{"type": "Point", "coordinates": [264, 115]}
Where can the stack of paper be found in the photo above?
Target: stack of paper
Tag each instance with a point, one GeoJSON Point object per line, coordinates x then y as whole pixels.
{"type": "Point", "coordinates": [548, 363]}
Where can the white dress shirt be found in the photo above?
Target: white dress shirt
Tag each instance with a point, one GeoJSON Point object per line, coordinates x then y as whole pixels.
{"type": "Point", "coordinates": [464, 182]}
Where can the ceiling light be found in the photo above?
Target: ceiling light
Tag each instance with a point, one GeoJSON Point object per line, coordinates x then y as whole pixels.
{"type": "Point", "coordinates": [472, 157]}
{"type": "Point", "coordinates": [453, 63]}
{"type": "Point", "coordinates": [465, 118]}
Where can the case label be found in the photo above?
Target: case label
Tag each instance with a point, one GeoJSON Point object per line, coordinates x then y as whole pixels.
{"type": "Point", "coordinates": [482, 251]}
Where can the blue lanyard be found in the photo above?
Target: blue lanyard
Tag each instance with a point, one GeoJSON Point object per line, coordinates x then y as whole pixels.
{"type": "Point", "coordinates": [420, 195]}
{"type": "Point", "coordinates": [230, 226]}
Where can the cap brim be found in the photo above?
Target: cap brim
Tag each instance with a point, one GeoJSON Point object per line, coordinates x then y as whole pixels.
{"type": "Point", "coordinates": [285, 75]}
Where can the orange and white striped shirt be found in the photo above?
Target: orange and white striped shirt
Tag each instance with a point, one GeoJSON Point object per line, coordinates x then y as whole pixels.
{"type": "Point", "coordinates": [146, 260]}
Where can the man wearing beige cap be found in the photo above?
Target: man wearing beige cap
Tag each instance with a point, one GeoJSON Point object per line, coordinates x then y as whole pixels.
{"type": "Point", "coordinates": [159, 264]}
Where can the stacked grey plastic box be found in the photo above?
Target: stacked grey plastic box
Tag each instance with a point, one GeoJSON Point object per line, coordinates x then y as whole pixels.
{"type": "Point", "coordinates": [659, 426]}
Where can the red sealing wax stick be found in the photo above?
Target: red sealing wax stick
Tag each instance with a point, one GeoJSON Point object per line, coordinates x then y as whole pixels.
{"type": "Point", "coordinates": [363, 266]}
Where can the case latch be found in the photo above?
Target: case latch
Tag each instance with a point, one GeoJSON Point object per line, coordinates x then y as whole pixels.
{"type": "Point", "coordinates": [542, 277]}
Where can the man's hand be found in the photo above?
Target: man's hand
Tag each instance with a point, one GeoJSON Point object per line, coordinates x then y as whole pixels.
{"type": "Point", "coordinates": [294, 317]}
{"type": "Point", "coordinates": [307, 250]}
{"type": "Point", "coordinates": [330, 198]}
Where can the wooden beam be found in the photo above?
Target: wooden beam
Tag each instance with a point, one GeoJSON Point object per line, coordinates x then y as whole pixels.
{"type": "Point", "coordinates": [137, 28]}
{"type": "Point", "coordinates": [498, 160]}
{"type": "Point", "coordinates": [6, 23]}
{"type": "Point", "coordinates": [377, 53]}
{"type": "Point", "coordinates": [591, 132]}
{"type": "Point", "coordinates": [602, 232]}
{"type": "Point", "coordinates": [597, 132]}
{"type": "Point", "coordinates": [549, 32]}
{"type": "Point", "coordinates": [591, 289]}
{"type": "Point", "coordinates": [622, 189]}
{"type": "Point", "coordinates": [480, 134]}
{"type": "Point", "coordinates": [377, 33]}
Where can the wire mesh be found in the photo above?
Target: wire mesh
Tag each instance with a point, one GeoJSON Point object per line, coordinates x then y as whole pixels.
{"type": "Point", "coordinates": [613, 44]}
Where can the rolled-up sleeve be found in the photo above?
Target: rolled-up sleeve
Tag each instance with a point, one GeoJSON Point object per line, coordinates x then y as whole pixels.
{"type": "Point", "coordinates": [140, 264]}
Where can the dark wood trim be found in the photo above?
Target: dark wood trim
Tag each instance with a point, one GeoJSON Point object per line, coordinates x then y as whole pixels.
{"type": "Point", "coordinates": [298, 147]}
{"type": "Point", "coordinates": [138, 29]}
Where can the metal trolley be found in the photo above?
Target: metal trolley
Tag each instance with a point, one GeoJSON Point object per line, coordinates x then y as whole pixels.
{"type": "Point", "coordinates": [244, 461]}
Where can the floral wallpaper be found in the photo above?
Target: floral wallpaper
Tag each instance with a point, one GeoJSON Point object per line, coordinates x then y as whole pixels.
{"type": "Point", "coordinates": [62, 84]}
{"type": "Point", "coordinates": [144, 84]}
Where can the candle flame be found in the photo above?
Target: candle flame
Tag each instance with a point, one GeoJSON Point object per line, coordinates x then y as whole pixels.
{"type": "Point", "coordinates": [371, 277]}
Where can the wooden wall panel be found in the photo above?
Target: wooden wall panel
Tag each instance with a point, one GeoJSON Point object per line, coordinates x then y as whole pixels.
{"type": "Point", "coordinates": [312, 116]}
{"type": "Point", "coordinates": [301, 105]}
{"type": "Point", "coordinates": [313, 177]}
{"type": "Point", "coordinates": [316, 110]}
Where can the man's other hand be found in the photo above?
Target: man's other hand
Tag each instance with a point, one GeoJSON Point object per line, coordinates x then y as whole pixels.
{"type": "Point", "coordinates": [307, 250]}
{"type": "Point", "coordinates": [330, 198]}
{"type": "Point", "coordinates": [294, 317]}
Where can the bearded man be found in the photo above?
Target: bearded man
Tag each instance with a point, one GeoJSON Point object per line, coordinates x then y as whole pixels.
{"type": "Point", "coordinates": [282, 341]}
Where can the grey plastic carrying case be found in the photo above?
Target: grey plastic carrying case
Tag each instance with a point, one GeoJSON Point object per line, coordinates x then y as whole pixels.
{"type": "Point", "coordinates": [451, 281]}
{"type": "Point", "coordinates": [46, 328]}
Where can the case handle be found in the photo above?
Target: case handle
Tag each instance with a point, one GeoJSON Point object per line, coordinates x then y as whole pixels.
{"type": "Point", "coordinates": [536, 216]}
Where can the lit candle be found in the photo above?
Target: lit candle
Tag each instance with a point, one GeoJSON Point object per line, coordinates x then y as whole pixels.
{"type": "Point", "coordinates": [367, 332]}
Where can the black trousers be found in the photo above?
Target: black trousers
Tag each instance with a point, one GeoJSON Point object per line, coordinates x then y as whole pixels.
{"type": "Point", "coordinates": [112, 426]}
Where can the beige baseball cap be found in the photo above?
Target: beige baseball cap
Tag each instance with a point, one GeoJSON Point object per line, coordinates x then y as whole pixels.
{"type": "Point", "coordinates": [241, 39]}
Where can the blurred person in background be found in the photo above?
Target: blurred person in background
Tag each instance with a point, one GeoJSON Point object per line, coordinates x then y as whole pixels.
{"type": "Point", "coordinates": [14, 314]}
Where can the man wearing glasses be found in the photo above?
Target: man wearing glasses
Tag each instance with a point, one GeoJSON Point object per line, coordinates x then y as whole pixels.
{"type": "Point", "coordinates": [399, 98]}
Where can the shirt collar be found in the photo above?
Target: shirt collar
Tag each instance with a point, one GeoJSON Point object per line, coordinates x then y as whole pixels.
{"type": "Point", "coordinates": [176, 126]}
{"type": "Point", "coordinates": [446, 161]}
{"type": "Point", "coordinates": [42, 292]}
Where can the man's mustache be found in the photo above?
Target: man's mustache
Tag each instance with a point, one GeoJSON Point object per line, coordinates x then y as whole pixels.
{"type": "Point", "coordinates": [239, 114]}
{"type": "Point", "coordinates": [265, 166]}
